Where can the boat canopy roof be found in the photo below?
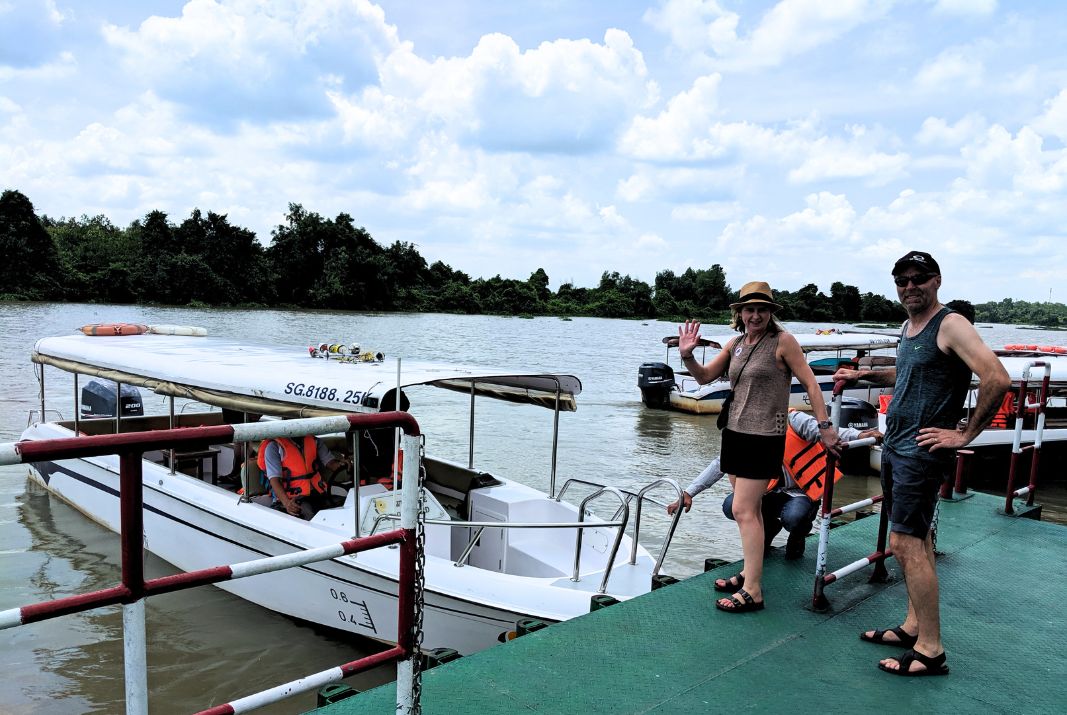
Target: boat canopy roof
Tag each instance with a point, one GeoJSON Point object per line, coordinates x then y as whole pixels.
{"type": "Point", "coordinates": [1017, 365]}
{"type": "Point", "coordinates": [283, 380]}
{"type": "Point", "coordinates": [810, 342]}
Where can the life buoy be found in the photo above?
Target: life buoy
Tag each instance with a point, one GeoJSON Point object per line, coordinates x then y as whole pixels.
{"type": "Point", "coordinates": [806, 464]}
{"type": "Point", "coordinates": [113, 329]}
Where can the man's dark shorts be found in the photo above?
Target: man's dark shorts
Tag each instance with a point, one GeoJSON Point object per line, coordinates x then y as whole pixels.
{"type": "Point", "coordinates": [912, 487]}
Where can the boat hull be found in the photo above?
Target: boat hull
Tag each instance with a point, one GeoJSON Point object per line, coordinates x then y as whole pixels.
{"type": "Point", "coordinates": [194, 525]}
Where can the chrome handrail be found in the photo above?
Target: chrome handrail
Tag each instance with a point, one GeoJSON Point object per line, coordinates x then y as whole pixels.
{"type": "Point", "coordinates": [641, 497]}
{"type": "Point", "coordinates": [670, 531]}
{"type": "Point", "coordinates": [579, 525]}
{"type": "Point", "coordinates": [629, 494]}
{"type": "Point", "coordinates": [618, 537]}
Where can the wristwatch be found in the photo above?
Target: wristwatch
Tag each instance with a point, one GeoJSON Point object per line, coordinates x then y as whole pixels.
{"type": "Point", "coordinates": [825, 424]}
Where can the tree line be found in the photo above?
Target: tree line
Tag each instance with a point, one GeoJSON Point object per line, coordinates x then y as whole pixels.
{"type": "Point", "coordinates": [317, 262]}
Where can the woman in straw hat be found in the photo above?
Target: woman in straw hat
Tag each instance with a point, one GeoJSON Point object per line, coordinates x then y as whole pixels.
{"type": "Point", "coordinates": [760, 364]}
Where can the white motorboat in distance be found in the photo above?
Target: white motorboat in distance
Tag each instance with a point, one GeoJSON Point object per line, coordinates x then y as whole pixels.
{"type": "Point", "coordinates": [664, 387]}
{"type": "Point", "coordinates": [476, 590]}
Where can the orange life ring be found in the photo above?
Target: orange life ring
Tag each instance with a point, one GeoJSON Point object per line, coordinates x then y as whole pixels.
{"type": "Point", "coordinates": [114, 329]}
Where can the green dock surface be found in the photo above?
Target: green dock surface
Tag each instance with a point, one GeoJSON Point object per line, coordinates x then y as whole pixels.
{"type": "Point", "coordinates": [1004, 624]}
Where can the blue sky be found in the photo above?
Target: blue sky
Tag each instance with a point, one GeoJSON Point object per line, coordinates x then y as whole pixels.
{"type": "Point", "coordinates": [796, 142]}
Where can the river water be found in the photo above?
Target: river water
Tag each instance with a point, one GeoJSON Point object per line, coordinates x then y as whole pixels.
{"type": "Point", "coordinates": [206, 646]}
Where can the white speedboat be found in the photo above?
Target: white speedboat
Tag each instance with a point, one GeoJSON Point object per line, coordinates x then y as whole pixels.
{"type": "Point", "coordinates": [664, 387]}
{"type": "Point", "coordinates": [480, 579]}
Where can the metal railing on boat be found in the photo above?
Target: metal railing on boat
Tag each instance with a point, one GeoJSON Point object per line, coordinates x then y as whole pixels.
{"type": "Point", "coordinates": [624, 495]}
{"type": "Point", "coordinates": [134, 588]}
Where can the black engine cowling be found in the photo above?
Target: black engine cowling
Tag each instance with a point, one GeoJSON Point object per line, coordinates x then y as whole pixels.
{"type": "Point", "coordinates": [656, 380]}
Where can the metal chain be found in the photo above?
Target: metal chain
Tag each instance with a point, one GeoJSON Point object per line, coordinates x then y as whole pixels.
{"type": "Point", "coordinates": [420, 583]}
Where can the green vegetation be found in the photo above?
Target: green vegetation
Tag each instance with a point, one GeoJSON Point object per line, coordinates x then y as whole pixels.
{"type": "Point", "coordinates": [315, 262]}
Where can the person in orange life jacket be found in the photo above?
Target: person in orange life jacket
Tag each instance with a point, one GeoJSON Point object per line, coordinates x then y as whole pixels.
{"type": "Point", "coordinates": [294, 469]}
{"type": "Point", "coordinates": [786, 505]}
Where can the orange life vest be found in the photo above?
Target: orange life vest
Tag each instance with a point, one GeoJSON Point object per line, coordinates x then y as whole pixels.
{"type": "Point", "coordinates": [806, 464]}
{"type": "Point", "coordinates": [1004, 412]}
{"type": "Point", "coordinates": [299, 465]}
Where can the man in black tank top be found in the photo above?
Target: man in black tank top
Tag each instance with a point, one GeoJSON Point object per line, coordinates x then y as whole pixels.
{"type": "Point", "coordinates": [938, 352]}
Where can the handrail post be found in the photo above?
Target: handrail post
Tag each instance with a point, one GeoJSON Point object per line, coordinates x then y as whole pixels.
{"type": "Point", "coordinates": [670, 531]}
{"type": "Point", "coordinates": [410, 582]}
{"type": "Point", "coordinates": [818, 599]}
{"type": "Point", "coordinates": [1039, 428]}
{"type": "Point", "coordinates": [135, 658]}
{"type": "Point", "coordinates": [960, 487]}
{"type": "Point", "coordinates": [618, 536]}
{"type": "Point", "coordinates": [1016, 443]}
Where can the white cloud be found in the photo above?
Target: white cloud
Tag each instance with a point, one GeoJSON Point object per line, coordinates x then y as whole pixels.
{"type": "Point", "coordinates": [837, 159]}
{"type": "Point", "coordinates": [938, 132]}
{"type": "Point", "coordinates": [965, 7]}
{"type": "Point", "coordinates": [566, 96]}
{"type": "Point", "coordinates": [678, 129]}
{"type": "Point", "coordinates": [647, 241]}
{"type": "Point", "coordinates": [790, 28]}
{"type": "Point", "coordinates": [1000, 160]}
{"type": "Point", "coordinates": [952, 68]}
{"type": "Point", "coordinates": [256, 60]}
{"type": "Point", "coordinates": [1054, 119]}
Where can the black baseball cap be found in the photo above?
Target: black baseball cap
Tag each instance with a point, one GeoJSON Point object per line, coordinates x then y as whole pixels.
{"type": "Point", "coordinates": [919, 259]}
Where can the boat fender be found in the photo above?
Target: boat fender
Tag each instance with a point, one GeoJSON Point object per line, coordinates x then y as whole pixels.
{"type": "Point", "coordinates": [188, 330]}
{"type": "Point", "coordinates": [112, 329]}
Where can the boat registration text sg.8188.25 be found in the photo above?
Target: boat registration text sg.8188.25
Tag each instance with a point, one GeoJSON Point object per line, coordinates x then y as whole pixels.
{"type": "Point", "coordinates": [324, 392]}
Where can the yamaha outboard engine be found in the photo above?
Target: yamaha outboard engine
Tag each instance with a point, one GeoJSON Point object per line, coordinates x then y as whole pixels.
{"type": "Point", "coordinates": [656, 380]}
{"type": "Point", "coordinates": [98, 400]}
{"type": "Point", "coordinates": [859, 415]}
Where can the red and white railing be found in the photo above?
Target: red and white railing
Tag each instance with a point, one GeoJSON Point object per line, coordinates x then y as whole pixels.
{"type": "Point", "coordinates": [1035, 448]}
{"type": "Point", "coordinates": [133, 588]}
{"type": "Point", "coordinates": [827, 513]}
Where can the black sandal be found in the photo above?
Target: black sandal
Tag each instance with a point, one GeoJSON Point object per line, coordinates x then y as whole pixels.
{"type": "Point", "coordinates": [907, 640]}
{"type": "Point", "coordinates": [747, 603]}
{"type": "Point", "coordinates": [728, 586]}
{"type": "Point", "coordinates": [932, 665]}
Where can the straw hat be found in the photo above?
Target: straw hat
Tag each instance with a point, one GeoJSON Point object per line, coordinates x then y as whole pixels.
{"type": "Point", "coordinates": [756, 292]}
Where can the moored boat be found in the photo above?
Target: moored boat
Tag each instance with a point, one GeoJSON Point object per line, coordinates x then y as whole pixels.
{"type": "Point", "coordinates": [664, 387]}
{"type": "Point", "coordinates": [497, 551]}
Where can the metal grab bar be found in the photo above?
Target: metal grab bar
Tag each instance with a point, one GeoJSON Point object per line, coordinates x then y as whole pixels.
{"type": "Point", "coordinates": [618, 537]}
{"type": "Point", "coordinates": [670, 531]}
{"type": "Point", "coordinates": [641, 497]}
{"type": "Point", "coordinates": [629, 494]}
{"type": "Point", "coordinates": [462, 560]}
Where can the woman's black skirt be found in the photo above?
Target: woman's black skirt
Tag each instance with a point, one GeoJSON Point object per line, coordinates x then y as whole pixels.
{"type": "Point", "coordinates": [751, 456]}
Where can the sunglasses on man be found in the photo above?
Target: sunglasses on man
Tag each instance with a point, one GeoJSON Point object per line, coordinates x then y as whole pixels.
{"type": "Point", "coordinates": [918, 279]}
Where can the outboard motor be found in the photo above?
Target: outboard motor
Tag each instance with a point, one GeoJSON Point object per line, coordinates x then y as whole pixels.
{"type": "Point", "coordinates": [656, 380]}
{"type": "Point", "coordinates": [860, 415]}
{"type": "Point", "coordinates": [98, 400]}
